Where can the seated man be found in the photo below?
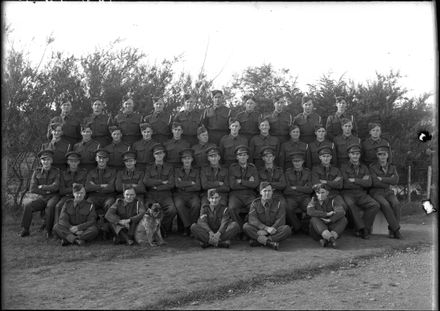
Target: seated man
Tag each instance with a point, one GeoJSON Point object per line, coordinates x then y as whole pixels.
{"type": "Point", "coordinates": [124, 216]}
{"type": "Point", "coordinates": [214, 227]}
{"type": "Point", "coordinates": [45, 182]}
{"type": "Point", "coordinates": [130, 176]}
{"type": "Point", "coordinates": [327, 216]}
{"type": "Point", "coordinates": [187, 194]}
{"type": "Point", "coordinates": [357, 180]}
{"type": "Point", "coordinates": [77, 222]}
{"type": "Point", "coordinates": [267, 220]}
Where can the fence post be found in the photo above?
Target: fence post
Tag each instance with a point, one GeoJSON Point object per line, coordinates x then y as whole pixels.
{"type": "Point", "coordinates": [409, 184]}
{"type": "Point", "coordinates": [428, 186]}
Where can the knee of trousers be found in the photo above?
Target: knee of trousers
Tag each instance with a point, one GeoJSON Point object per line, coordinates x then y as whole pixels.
{"type": "Point", "coordinates": [284, 229]}
{"type": "Point", "coordinates": [247, 228]}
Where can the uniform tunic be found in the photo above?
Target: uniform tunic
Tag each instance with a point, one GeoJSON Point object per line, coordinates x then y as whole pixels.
{"type": "Point", "coordinates": [200, 156]}
{"type": "Point", "coordinates": [329, 174]}
{"type": "Point", "coordinates": [122, 210]}
{"type": "Point", "coordinates": [173, 148]}
{"type": "Point", "coordinates": [129, 125]}
{"type": "Point", "coordinates": [249, 122]}
{"type": "Point", "coordinates": [341, 143]}
{"type": "Point", "coordinates": [87, 151]}
{"type": "Point", "coordinates": [59, 148]}
{"type": "Point", "coordinates": [101, 197]}
{"type": "Point", "coordinates": [210, 177]}
{"type": "Point", "coordinates": [287, 148]}
{"type": "Point", "coordinates": [227, 146]}
{"type": "Point", "coordinates": [257, 143]}
{"type": "Point", "coordinates": [312, 153]}
{"type": "Point", "coordinates": [130, 177]}
{"type": "Point", "coordinates": [280, 125]}
{"type": "Point", "coordinates": [160, 123]}
{"type": "Point", "coordinates": [369, 146]}
{"type": "Point", "coordinates": [190, 121]}
{"type": "Point", "coordinates": [334, 127]}
{"type": "Point", "coordinates": [99, 124]}
{"type": "Point", "coordinates": [144, 152]}
{"type": "Point", "coordinates": [70, 126]}
{"type": "Point", "coordinates": [307, 125]}
{"type": "Point", "coordinates": [115, 151]}
{"type": "Point", "coordinates": [216, 120]}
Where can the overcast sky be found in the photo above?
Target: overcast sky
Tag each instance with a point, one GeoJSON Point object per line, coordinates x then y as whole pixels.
{"type": "Point", "coordinates": [310, 39]}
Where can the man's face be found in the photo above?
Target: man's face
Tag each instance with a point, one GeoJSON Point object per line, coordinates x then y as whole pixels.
{"type": "Point", "coordinates": [308, 107]}
{"type": "Point", "coordinates": [354, 156]}
{"type": "Point", "coordinates": [130, 163]}
{"type": "Point", "coordinates": [242, 157]}
{"type": "Point", "coordinates": [186, 161]}
{"type": "Point", "coordinates": [78, 196]}
{"type": "Point", "coordinates": [250, 105]}
{"type": "Point", "coordinates": [102, 161]}
{"type": "Point", "coordinates": [268, 158]}
{"type": "Point", "coordinates": [73, 163]}
{"type": "Point", "coordinates": [97, 107]}
{"type": "Point", "coordinates": [297, 163]}
{"type": "Point", "coordinates": [294, 134]}
{"type": "Point", "coordinates": [218, 99]}
{"type": "Point", "coordinates": [382, 156]}
{"type": "Point", "coordinates": [86, 134]}
{"type": "Point", "coordinates": [234, 127]}
{"type": "Point", "coordinates": [128, 106]}
{"type": "Point", "coordinates": [66, 107]}
{"type": "Point", "coordinates": [147, 133]}
{"type": "Point", "coordinates": [116, 136]}
{"type": "Point", "coordinates": [264, 127]}
{"type": "Point", "coordinates": [129, 195]}
{"type": "Point", "coordinates": [346, 128]}
{"type": "Point", "coordinates": [203, 137]}
{"type": "Point", "coordinates": [266, 193]}
{"type": "Point", "coordinates": [325, 159]}
{"type": "Point", "coordinates": [190, 103]}
{"type": "Point", "coordinates": [280, 104]}
{"type": "Point", "coordinates": [57, 132]}
{"type": "Point", "coordinates": [341, 106]}
{"type": "Point", "coordinates": [214, 200]}
{"type": "Point", "coordinates": [46, 162]}
{"type": "Point", "coordinates": [321, 194]}
{"type": "Point", "coordinates": [159, 105]}
{"type": "Point", "coordinates": [177, 132]}
{"type": "Point", "coordinates": [375, 132]}
{"type": "Point", "coordinates": [159, 155]}
{"type": "Point", "coordinates": [214, 159]}
{"type": "Point", "coordinates": [320, 133]}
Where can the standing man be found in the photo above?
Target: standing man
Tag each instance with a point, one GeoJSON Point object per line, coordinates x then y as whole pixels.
{"type": "Point", "coordinates": [200, 157]}
{"type": "Point", "coordinates": [307, 120]}
{"type": "Point", "coordinates": [357, 180]}
{"type": "Point", "coordinates": [99, 122]}
{"type": "Point", "coordinates": [267, 220]}
{"type": "Point", "coordinates": [69, 123]}
{"type": "Point", "coordinates": [280, 120]}
{"type": "Point", "coordinates": [77, 223]}
{"type": "Point", "coordinates": [190, 118]}
{"type": "Point", "coordinates": [258, 142]}
{"type": "Point", "coordinates": [130, 177]}
{"type": "Point", "coordinates": [58, 145]}
{"type": "Point", "coordinates": [228, 143]}
{"type": "Point", "coordinates": [87, 147]}
{"type": "Point", "coordinates": [333, 124]}
{"type": "Point", "coordinates": [159, 120]}
{"type": "Point", "coordinates": [175, 145]}
{"type": "Point", "coordinates": [45, 182]}
{"type": "Point", "coordinates": [343, 141]}
{"type": "Point", "coordinates": [249, 119]}
{"type": "Point", "coordinates": [144, 147]}
{"type": "Point", "coordinates": [216, 118]}
{"type": "Point", "coordinates": [128, 121]}
{"type": "Point", "coordinates": [116, 148]}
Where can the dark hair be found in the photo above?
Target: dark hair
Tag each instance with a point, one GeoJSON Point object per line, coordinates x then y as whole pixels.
{"type": "Point", "coordinates": [305, 99]}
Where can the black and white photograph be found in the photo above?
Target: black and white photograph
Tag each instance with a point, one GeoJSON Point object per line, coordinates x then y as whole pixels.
{"type": "Point", "coordinates": [219, 155]}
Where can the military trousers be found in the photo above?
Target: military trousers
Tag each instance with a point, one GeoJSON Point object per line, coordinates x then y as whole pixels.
{"type": "Point", "coordinates": [201, 234]}
{"type": "Point", "coordinates": [297, 205]}
{"type": "Point", "coordinates": [44, 203]}
{"type": "Point", "coordinates": [87, 234]}
{"type": "Point", "coordinates": [390, 207]}
{"type": "Point", "coordinates": [59, 207]}
{"type": "Point", "coordinates": [187, 206]}
{"type": "Point", "coordinates": [317, 227]}
{"type": "Point", "coordinates": [239, 203]}
{"type": "Point", "coordinates": [101, 201]}
{"type": "Point", "coordinates": [283, 232]}
{"type": "Point", "coordinates": [359, 200]}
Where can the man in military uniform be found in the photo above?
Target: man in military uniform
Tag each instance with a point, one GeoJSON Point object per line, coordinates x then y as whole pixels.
{"type": "Point", "coordinates": [144, 147]}
{"type": "Point", "coordinates": [243, 180]}
{"type": "Point", "coordinates": [187, 194]}
{"type": "Point", "coordinates": [116, 148]}
{"type": "Point", "coordinates": [214, 226]}
{"type": "Point", "coordinates": [190, 118]}
{"type": "Point", "coordinates": [70, 124]}
{"type": "Point", "coordinates": [307, 120]}
{"type": "Point", "coordinates": [159, 181]}
{"type": "Point", "coordinates": [370, 144]}
{"type": "Point", "coordinates": [175, 145]}
{"type": "Point", "coordinates": [260, 141]}
{"type": "Point", "coordinates": [290, 146]}
{"type": "Point", "coordinates": [72, 175]}
{"type": "Point", "coordinates": [298, 193]}
{"type": "Point", "coordinates": [87, 147]}
{"type": "Point", "coordinates": [99, 123]}
{"type": "Point", "coordinates": [280, 120]}
{"type": "Point", "coordinates": [216, 118]}
{"type": "Point", "coordinates": [159, 120]}
{"type": "Point", "coordinates": [124, 216]}
{"type": "Point", "coordinates": [334, 124]}
{"type": "Point", "coordinates": [319, 142]}
{"type": "Point", "coordinates": [267, 220]}
{"type": "Point", "coordinates": [128, 121]}
{"type": "Point", "coordinates": [200, 158]}
{"type": "Point", "coordinates": [228, 143]}
{"type": "Point", "coordinates": [58, 145]}
{"type": "Point", "coordinates": [130, 177]}
{"type": "Point", "coordinates": [214, 176]}
{"type": "Point", "coordinates": [343, 141]}
{"type": "Point", "coordinates": [357, 180]}
{"type": "Point", "coordinates": [249, 119]}
{"type": "Point", "coordinates": [77, 223]}
{"type": "Point", "coordinates": [45, 182]}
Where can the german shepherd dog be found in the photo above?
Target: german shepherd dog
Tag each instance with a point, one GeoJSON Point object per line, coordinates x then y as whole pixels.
{"type": "Point", "coordinates": [148, 229]}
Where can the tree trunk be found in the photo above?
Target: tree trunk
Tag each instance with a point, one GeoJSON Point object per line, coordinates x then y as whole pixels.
{"type": "Point", "coordinates": [4, 178]}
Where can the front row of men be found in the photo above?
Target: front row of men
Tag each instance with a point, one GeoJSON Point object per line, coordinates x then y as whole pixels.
{"type": "Point", "coordinates": [228, 205]}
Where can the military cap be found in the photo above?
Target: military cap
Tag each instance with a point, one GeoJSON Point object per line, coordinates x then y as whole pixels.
{"type": "Point", "coordinates": [320, 186]}
{"type": "Point", "coordinates": [297, 155]}
{"type": "Point", "coordinates": [345, 121]}
{"type": "Point", "coordinates": [158, 147]}
{"type": "Point", "coordinates": [45, 154]}
{"type": "Point", "coordinates": [113, 128]}
{"type": "Point", "coordinates": [354, 148]}
{"type": "Point", "coordinates": [214, 92]}
{"type": "Point", "coordinates": [266, 150]}
{"type": "Point", "coordinates": [102, 153]}
{"type": "Point", "coordinates": [76, 187]}
{"type": "Point", "coordinates": [54, 125]}
{"type": "Point", "coordinates": [186, 152]}
{"type": "Point", "coordinates": [233, 120]}
{"type": "Point", "coordinates": [264, 184]}
{"type": "Point", "coordinates": [201, 129]}
{"type": "Point", "coordinates": [241, 149]}
{"type": "Point", "coordinates": [319, 126]}
{"type": "Point", "coordinates": [213, 150]}
{"type": "Point", "coordinates": [383, 148]}
{"type": "Point", "coordinates": [144, 126]}
{"type": "Point", "coordinates": [324, 150]}
{"type": "Point", "coordinates": [212, 192]}
{"type": "Point", "coordinates": [73, 155]}
{"type": "Point", "coordinates": [293, 126]}
{"type": "Point", "coordinates": [129, 154]}
{"type": "Point", "coordinates": [372, 125]}
{"type": "Point", "coordinates": [176, 124]}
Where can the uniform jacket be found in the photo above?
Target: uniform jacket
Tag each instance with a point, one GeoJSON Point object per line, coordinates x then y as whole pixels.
{"type": "Point", "coordinates": [216, 119]}
{"type": "Point", "coordinates": [236, 172]}
{"type": "Point", "coordinates": [154, 175]}
{"type": "Point", "coordinates": [99, 124]}
{"type": "Point", "coordinates": [341, 143]}
{"type": "Point", "coordinates": [67, 178]}
{"type": "Point", "coordinates": [126, 177]}
{"type": "Point", "coordinates": [200, 157]}
{"type": "Point", "coordinates": [249, 122]}
{"type": "Point", "coordinates": [312, 153]}
{"type": "Point", "coordinates": [280, 123]}
{"type": "Point", "coordinates": [144, 151]}
{"type": "Point", "coordinates": [329, 174]}
{"type": "Point", "coordinates": [227, 146]}
{"type": "Point", "coordinates": [190, 121]}
{"type": "Point", "coordinates": [128, 123]}
{"type": "Point", "coordinates": [210, 178]}
{"type": "Point", "coordinates": [307, 125]}
{"type": "Point", "coordinates": [160, 122]}
{"type": "Point", "coordinates": [87, 151]}
{"type": "Point", "coordinates": [369, 145]}
{"type": "Point", "coordinates": [348, 171]}
{"type": "Point", "coordinates": [183, 180]}
{"type": "Point", "coordinates": [389, 177]}
{"type": "Point", "coordinates": [275, 176]}
{"type": "Point", "coordinates": [315, 209]}
{"type": "Point", "coordinates": [287, 148]}
{"type": "Point", "coordinates": [50, 181]}
{"type": "Point", "coordinates": [70, 125]}
{"type": "Point", "coordinates": [122, 210]}
{"type": "Point", "coordinates": [300, 179]}
{"type": "Point", "coordinates": [59, 148]}
{"type": "Point", "coordinates": [173, 147]}
{"type": "Point", "coordinates": [258, 142]}
{"type": "Point", "coordinates": [115, 151]}
{"type": "Point", "coordinates": [97, 177]}
{"type": "Point", "coordinates": [273, 215]}
{"type": "Point", "coordinates": [334, 127]}
{"type": "Point", "coordinates": [83, 215]}
{"type": "Point", "coordinates": [216, 220]}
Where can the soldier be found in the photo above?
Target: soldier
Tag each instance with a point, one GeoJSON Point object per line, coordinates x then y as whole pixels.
{"type": "Point", "coordinates": [384, 174]}
{"type": "Point", "coordinates": [190, 118]}
{"type": "Point", "coordinates": [216, 118]}
{"type": "Point", "coordinates": [370, 144]}
{"type": "Point", "coordinates": [214, 176]}
{"type": "Point", "coordinates": [70, 124]}
{"type": "Point", "coordinates": [313, 147]}
{"type": "Point", "coordinates": [258, 142]}
{"type": "Point", "coordinates": [243, 179]}
{"type": "Point", "coordinates": [334, 125]}
{"type": "Point", "coordinates": [187, 194]}
{"type": "Point", "coordinates": [267, 220]}
{"type": "Point", "coordinates": [175, 145]}
{"type": "Point", "coordinates": [144, 147]}
{"type": "Point", "coordinates": [159, 120]}
{"type": "Point", "coordinates": [297, 193]}
{"type": "Point", "coordinates": [116, 148]}
{"type": "Point", "coordinates": [290, 146]}
{"type": "Point", "coordinates": [343, 141]}
{"type": "Point", "coordinates": [87, 147]}
{"type": "Point", "coordinates": [73, 174]}
{"type": "Point", "coordinates": [77, 223]}
{"type": "Point", "coordinates": [128, 121]}
{"type": "Point", "coordinates": [159, 181]}
{"type": "Point", "coordinates": [58, 145]}
{"type": "Point", "coordinates": [45, 182]}
{"type": "Point", "coordinates": [328, 220]}
{"type": "Point", "coordinates": [124, 216]}
{"type": "Point", "coordinates": [307, 120]}
{"type": "Point", "coordinates": [249, 119]}
{"type": "Point", "coordinates": [280, 120]}
{"type": "Point", "coordinates": [228, 143]}
{"type": "Point", "coordinates": [130, 177]}
{"type": "Point", "coordinates": [356, 182]}
{"type": "Point", "coordinates": [200, 158]}
{"type": "Point", "coordinates": [214, 226]}
{"type": "Point", "coordinates": [99, 123]}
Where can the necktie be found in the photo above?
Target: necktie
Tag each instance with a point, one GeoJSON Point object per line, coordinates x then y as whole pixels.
{"type": "Point", "coordinates": [100, 172]}
{"type": "Point", "coordinates": [356, 169]}
{"type": "Point", "coordinates": [159, 170]}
